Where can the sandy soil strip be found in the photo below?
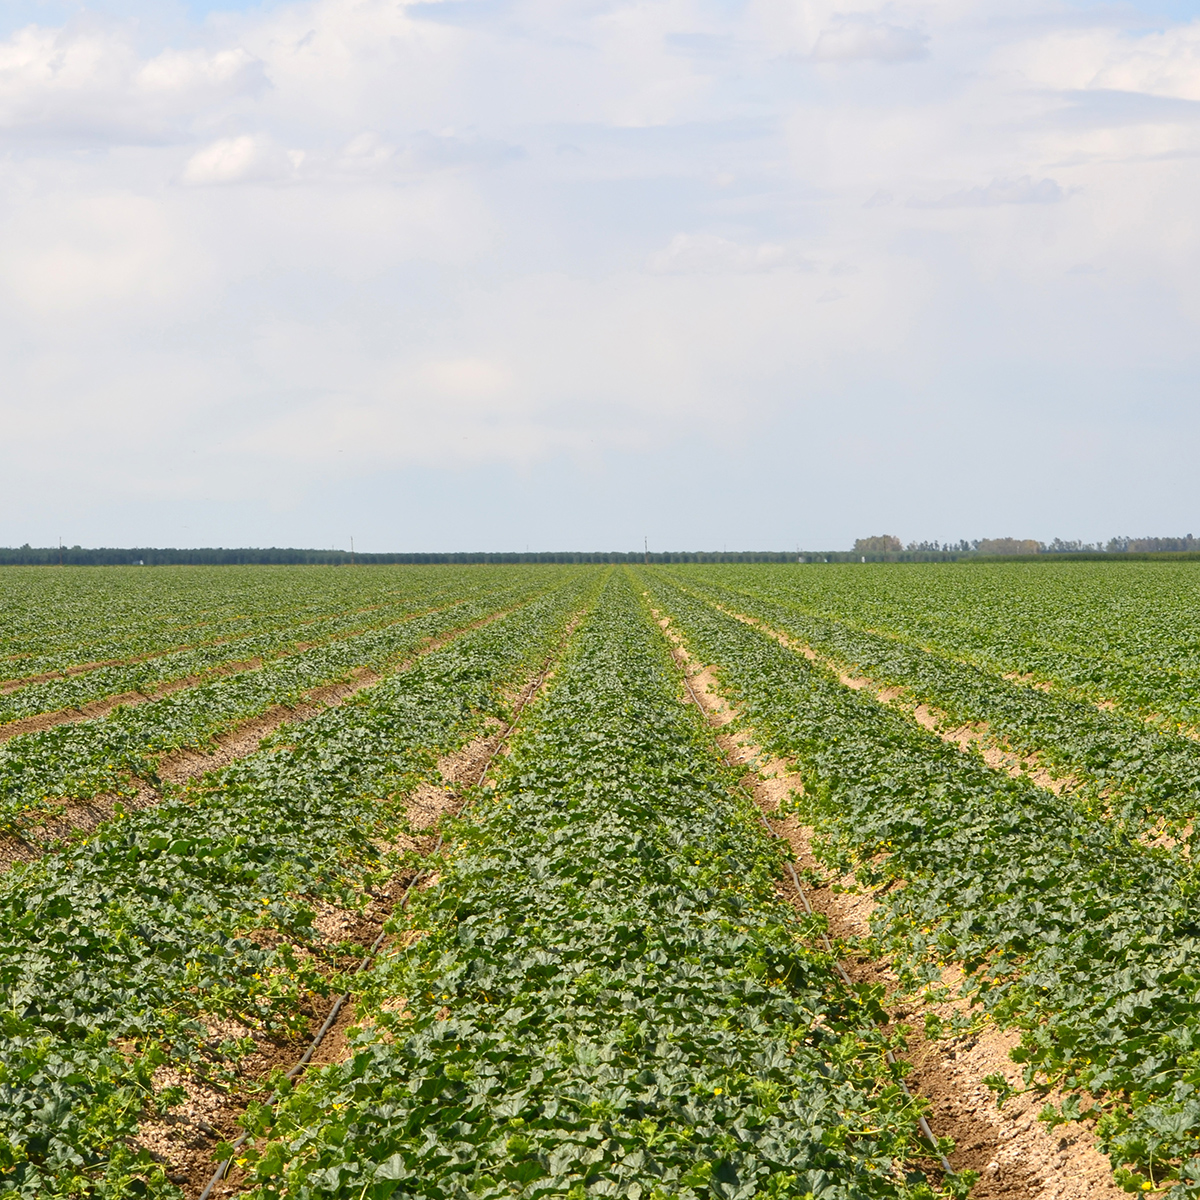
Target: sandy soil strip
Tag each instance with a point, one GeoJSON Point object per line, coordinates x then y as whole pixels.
{"type": "Point", "coordinates": [1017, 1156]}
{"type": "Point", "coordinates": [429, 802]}
{"type": "Point", "coordinates": [184, 1141]}
{"type": "Point", "coordinates": [20, 681]}
{"type": "Point", "coordinates": [184, 1144]}
{"type": "Point", "coordinates": [104, 705]}
{"type": "Point", "coordinates": [178, 766]}
{"type": "Point", "coordinates": [973, 736]}
{"type": "Point", "coordinates": [1155, 720]}
{"type": "Point", "coordinates": [12, 685]}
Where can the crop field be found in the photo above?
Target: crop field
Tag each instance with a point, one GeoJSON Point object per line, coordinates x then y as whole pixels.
{"type": "Point", "coordinates": [834, 883]}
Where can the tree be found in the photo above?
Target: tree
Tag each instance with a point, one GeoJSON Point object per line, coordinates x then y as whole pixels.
{"type": "Point", "coordinates": [884, 544]}
{"type": "Point", "coordinates": [1009, 546]}
{"type": "Point", "coordinates": [1153, 545]}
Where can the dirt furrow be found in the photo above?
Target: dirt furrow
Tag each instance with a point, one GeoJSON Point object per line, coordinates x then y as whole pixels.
{"type": "Point", "coordinates": [10, 685]}
{"type": "Point", "coordinates": [974, 736]}
{"type": "Point", "coordinates": [1017, 1156]}
{"type": "Point", "coordinates": [102, 706]}
{"type": "Point", "coordinates": [185, 1144]}
{"type": "Point", "coordinates": [78, 817]}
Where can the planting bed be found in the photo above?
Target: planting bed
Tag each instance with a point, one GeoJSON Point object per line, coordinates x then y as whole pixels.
{"type": "Point", "coordinates": [1068, 929]}
{"type": "Point", "coordinates": [603, 993]}
{"type": "Point", "coordinates": [175, 937]}
{"type": "Point", "coordinates": [596, 973]}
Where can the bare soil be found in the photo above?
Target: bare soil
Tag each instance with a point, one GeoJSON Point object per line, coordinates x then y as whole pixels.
{"type": "Point", "coordinates": [16, 682]}
{"type": "Point", "coordinates": [11, 685]}
{"type": "Point", "coordinates": [185, 1143]}
{"type": "Point", "coordinates": [78, 818]}
{"type": "Point", "coordinates": [1017, 1156]}
{"type": "Point", "coordinates": [105, 705]}
{"type": "Point", "coordinates": [970, 737]}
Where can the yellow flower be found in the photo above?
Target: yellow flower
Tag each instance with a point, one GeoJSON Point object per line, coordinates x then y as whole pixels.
{"type": "Point", "coordinates": [716, 1091]}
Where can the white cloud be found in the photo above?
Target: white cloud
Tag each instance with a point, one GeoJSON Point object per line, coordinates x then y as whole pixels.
{"type": "Point", "coordinates": [91, 83]}
{"type": "Point", "coordinates": [366, 151]}
{"type": "Point", "coordinates": [48, 76]}
{"type": "Point", "coordinates": [508, 235]}
{"type": "Point", "coordinates": [201, 76]}
{"type": "Point", "coordinates": [860, 37]}
{"type": "Point", "coordinates": [1024, 190]}
{"type": "Point", "coordinates": [689, 253]}
{"type": "Point", "coordinates": [243, 159]}
{"type": "Point", "coordinates": [468, 380]}
{"type": "Point", "coordinates": [68, 255]}
{"type": "Point", "coordinates": [1157, 64]}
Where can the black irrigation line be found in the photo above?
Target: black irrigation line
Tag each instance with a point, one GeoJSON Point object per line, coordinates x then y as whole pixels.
{"type": "Point", "coordinates": [891, 1058]}
{"type": "Point", "coordinates": [340, 1002]}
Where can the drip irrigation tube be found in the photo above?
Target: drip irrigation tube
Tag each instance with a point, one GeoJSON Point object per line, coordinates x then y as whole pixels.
{"type": "Point", "coordinates": [340, 1002]}
{"type": "Point", "coordinates": [891, 1058]}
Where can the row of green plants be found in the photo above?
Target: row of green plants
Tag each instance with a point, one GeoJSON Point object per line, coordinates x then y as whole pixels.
{"type": "Point", "coordinates": [603, 995]}
{"type": "Point", "coordinates": [1081, 937]}
{"type": "Point", "coordinates": [59, 620]}
{"type": "Point", "coordinates": [1125, 633]}
{"type": "Point", "coordinates": [273, 639]}
{"type": "Point", "coordinates": [129, 950]}
{"type": "Point", "coordinates": [42, 769]}
{"type": "Point", "coordinates": [1147, 778]}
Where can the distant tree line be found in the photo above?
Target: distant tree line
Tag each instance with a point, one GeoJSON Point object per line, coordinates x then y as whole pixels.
{"type": "Point", "coordinates": [882, 548]}
{"type": "Point", "coordinates": [1116, 545]}
{"type": "Point", "coordinates": [1149, 545]}
{"type": "Point", "coordinates": [888, 547]}
{"type": "Point", "coordinates": [151, 556]}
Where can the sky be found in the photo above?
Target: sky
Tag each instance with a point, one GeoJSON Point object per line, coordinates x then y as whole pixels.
{"type": "Point", "coordinates": [497, 274]}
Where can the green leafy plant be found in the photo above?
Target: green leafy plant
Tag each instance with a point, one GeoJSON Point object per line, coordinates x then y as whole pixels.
{"type": "Point", "coordinates": [120, 953]}
{"type": "Point", "coordinates": [1069, 929]}
{"type": "Point", "coordinates": [607, 996]}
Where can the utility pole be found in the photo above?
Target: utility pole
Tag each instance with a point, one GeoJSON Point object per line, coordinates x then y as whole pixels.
{"type": "Point", "coordinates": [60, 549]}
{"type": "Point", "coordinates": [352, 552]}
{"type": "Point", "coordinates": [646, 551]}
